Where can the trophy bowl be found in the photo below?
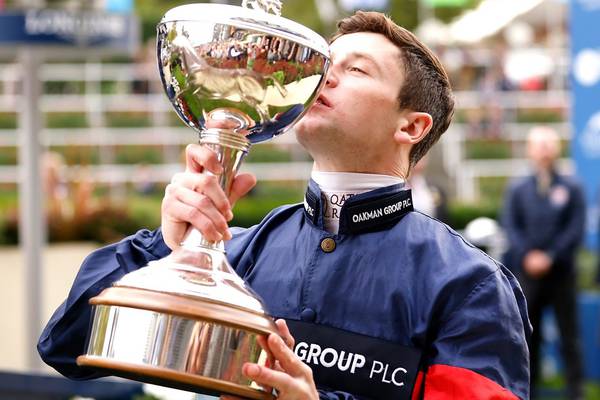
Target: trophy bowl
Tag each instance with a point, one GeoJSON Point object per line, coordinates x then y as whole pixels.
{"type": "Point", "coordinates": [238, 76]}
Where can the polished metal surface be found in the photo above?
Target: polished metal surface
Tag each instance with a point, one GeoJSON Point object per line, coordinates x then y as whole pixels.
{"type": "Point", "coordinates": [241, 69]}
{"type": "Point", "coordinates": [238, 76]}
{"type": "Point", "coordinates": [157, 340]}
{"type": "Point", "coordinates": [198, 272]}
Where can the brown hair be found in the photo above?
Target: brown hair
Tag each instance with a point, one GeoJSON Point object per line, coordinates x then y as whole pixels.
{"type": "Point", "coordinates": [426, 87]}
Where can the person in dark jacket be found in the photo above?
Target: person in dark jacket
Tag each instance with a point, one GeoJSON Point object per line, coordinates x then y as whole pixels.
{"type": "Point", "coordinates": [544, 217]}
{"type": "Point", "coordinates": [403, 304]}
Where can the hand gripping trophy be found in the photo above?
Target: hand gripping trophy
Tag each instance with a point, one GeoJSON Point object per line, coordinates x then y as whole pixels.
{"type": "Point", "coordinates": [237, 75]}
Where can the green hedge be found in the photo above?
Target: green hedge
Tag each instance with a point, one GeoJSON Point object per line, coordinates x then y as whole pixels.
{"type": "Point", "coordinates": [110, 222]}
{"type": "Point", "coordinates": [138, 154]}
{"type": "Point", "coordinates": [542, 115]}
{"type": "Point", "coordinates": [127, 119]}
{"type": "Point", "coordinates": [8, 156]}
{"type": "Point", "coordinates": [66, 120]}
{"type": "Point", "coordinates": [8, 120]}
{"type": "Point", "coordinates": [460, 214]}
{"type": "Point", "coordinates": [484, 149]}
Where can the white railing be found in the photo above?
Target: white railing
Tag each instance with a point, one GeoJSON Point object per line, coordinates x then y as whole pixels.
{"type": "Point", "coordinates": [465, 173]}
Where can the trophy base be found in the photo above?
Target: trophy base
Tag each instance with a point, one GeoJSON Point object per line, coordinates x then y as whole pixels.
{"type": "Point", "coordinates": [169, 378]}
{"type": "Point", "coordinates": [176, 341]}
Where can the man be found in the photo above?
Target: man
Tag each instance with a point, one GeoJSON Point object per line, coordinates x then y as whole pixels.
{"type": "Point", "coordinates": [544, 216]}
{"type": "Point", "coordinates": [406, 307]}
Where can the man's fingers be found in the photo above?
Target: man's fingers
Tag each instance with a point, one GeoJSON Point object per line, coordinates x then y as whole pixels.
{"type": "Point", "coordinates": [268, 377]}
{"type": "Point", "coordinates": [199, 158]}
{"type": "Point", "coordinates": [286, 357]}
{"type": "Point", "coordinates": [262, 341]}
{"type": "Point", "coordinates": [205, 205]}
{"type": "Point", "coordinates": [207, 185]}
{"type": "Point", "coordinates": [284, 331]}
{"type": "Point", "coordinates": [185, 212]}
{"type": "Point", "coordinates": [242, 184]}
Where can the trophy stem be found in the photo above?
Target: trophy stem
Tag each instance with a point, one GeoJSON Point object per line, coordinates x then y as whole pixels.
{"type": "Point", "coordinates": [231, 148]}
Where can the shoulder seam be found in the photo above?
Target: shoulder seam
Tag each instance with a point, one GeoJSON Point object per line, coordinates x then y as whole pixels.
{"type": "Point", "coordinates": [456, 234]}
{"type": "Point", "coordinates": [473, 291]}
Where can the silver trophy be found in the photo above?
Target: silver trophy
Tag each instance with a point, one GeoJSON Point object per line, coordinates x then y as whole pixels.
{"type": "Point", "coordinates": [237, 75]}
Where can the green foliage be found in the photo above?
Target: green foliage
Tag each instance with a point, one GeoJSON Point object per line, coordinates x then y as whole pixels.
{"type": "Point", "coordinates": [108, 87]}
{"type": "Point", "coordinates": [127, 119]}
{"type": "Point", "coordinates": [108, 222]}
{"type": "Point", "coordinates": [8, 197]}
{"type": "Point", "coordinates": [151, 11]}
{"type": "Point", "coordinates": [8, 155]}
{"type": "Point", "coordinates": [146, 208]}
{"type": "Point", "coordinates": [447, 14]}
{"type": "Point", "coordinates": [138, 154]}
{"type": "Point", "coordinates": [175, 120]}
{"type": "Point", "coordinates": [279, 76]}
{"type": "Point", "coordinates": [460, 214]}
{"type": "Point", "coordinates": [491, 190]}
{"type": "Point", "coordinates": [8, 120]}
{"type": "Point", "coordinates": [485, 149]}
{"type": "Point", "coordinates": [404, 12]}
{"type": "Point", "coordinates": [268, 153]}
{"type": "Point", "coordinates": [78, 155]}
{"type": "Point", "coordinates": [64, 87]}
{"type": "Point", "coordinates": [266, 196]}
{"type": "Point", "coordinates": [66, 120]}
{"type": "Point", "coordinates": [587, 270]}
{"type": "Point", "coordinates": [554, 386]}
{"type": "Point", "coordinates": [543, 115]}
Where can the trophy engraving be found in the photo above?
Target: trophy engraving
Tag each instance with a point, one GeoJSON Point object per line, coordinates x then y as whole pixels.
{"type": "Point", "coordinates": [238, 76]}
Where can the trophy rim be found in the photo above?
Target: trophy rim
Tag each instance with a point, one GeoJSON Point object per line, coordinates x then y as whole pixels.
{"type": "Point", "coordinates": [274, 23]}
{"type": "Point", "coordinates": [199, 308]}
{"type": "Point", "coordinates": [185, 381]}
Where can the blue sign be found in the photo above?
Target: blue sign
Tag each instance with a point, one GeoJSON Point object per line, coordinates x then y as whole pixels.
{"type": "Point", "coordinates": [585, 53]}
{"type": "Point", "coordinates": [121, 6]}
{"type": "Point", "coordinates": [65, 28]}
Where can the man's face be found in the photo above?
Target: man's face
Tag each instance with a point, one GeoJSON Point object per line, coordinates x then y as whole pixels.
{"type": "Point", "coordinates": [356, 115]}
{"type": "Point", "coordinates": [543, 150]}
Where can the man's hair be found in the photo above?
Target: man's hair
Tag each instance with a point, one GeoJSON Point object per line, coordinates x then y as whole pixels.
{"type": "Point", "coordinates": [426, 86]}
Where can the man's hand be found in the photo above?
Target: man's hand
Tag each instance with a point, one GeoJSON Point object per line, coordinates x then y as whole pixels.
{"type": "Point", "coordinates": [292, 379]}
{"type": "Point", "coordinates": [537, 264]}
{"type": "Point", "coordinates": [195, 198]}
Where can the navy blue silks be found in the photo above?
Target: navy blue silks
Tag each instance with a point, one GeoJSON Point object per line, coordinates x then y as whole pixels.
{"type": "Point", "coordinates": [410, 280]}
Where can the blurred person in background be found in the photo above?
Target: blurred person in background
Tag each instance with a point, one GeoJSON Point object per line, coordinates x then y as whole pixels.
{"type": "Point", "coordinates": [544, 216]}
{"type": "Point", "coordinates": [428, 197]}
{"type": "Point", "coordinates": [376, 272]}
{"type": "Point", "coordinates": [54, 182]}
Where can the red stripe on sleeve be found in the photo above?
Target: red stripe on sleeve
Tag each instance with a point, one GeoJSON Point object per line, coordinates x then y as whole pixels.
{"type": "Point", "coordinates": [444, 382]}
{"type": "Point", "coordinates": [416, 394]}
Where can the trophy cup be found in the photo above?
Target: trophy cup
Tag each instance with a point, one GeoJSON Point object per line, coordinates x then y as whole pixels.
{"type": "Point", "coordinates": [237, 75]}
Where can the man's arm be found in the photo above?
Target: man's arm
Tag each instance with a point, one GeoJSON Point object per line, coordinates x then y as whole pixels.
{"type": "Point", "coordinates": [567, 240]}
{"type": "Point", "coordinates": [479, 351]}
{"type": "Point", "coordinates": [512, 221]}
{"type": "Point", "coordinates": [64, 337]}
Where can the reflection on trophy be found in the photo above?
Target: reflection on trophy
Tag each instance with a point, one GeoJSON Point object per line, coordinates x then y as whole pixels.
{"type": "Point", "coordinates": [237, 75]}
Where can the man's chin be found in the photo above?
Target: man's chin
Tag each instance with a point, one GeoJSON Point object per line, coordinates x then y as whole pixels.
{"type": "Point", "coordinates": [311, 123]}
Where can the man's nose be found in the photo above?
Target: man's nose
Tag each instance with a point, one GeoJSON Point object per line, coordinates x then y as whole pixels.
{"type": "Point", "coordinates": [331, 79]}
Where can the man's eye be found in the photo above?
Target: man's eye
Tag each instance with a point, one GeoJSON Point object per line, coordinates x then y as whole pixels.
{"type": "Point", "coordinates": [356, 69]}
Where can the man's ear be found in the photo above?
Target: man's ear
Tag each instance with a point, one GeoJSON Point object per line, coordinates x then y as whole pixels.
{"type": "Point", "coordinates": [412, 127]}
